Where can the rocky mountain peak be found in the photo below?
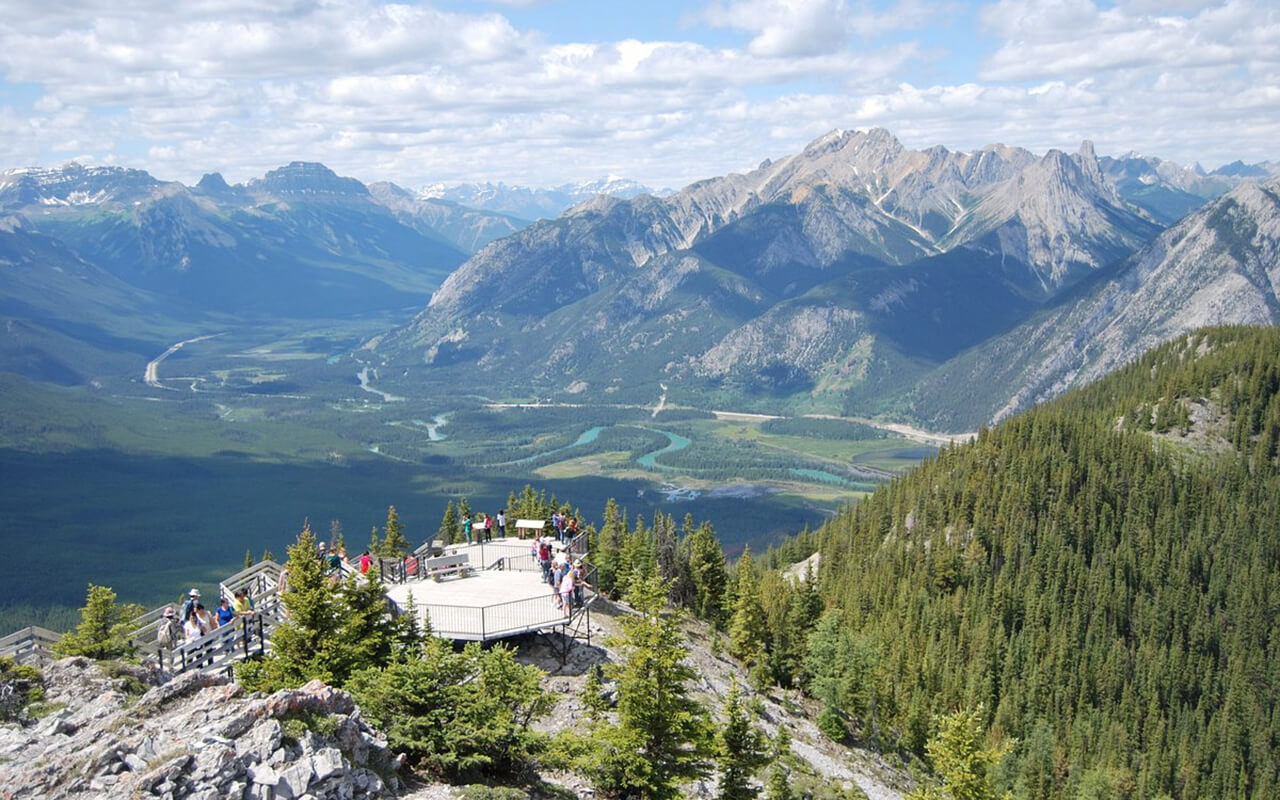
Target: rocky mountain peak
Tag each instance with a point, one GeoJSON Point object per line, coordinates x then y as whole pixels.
{"type": "Point", "coordinates": [308, 178]}
{"type": "Point", "coordinates": [74, 184]}
{"type": "Point", "coordinates": [213, 183]}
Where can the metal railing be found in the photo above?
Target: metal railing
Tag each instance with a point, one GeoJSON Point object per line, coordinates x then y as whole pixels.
{"type": "Point", "coordinates": [508, 618]}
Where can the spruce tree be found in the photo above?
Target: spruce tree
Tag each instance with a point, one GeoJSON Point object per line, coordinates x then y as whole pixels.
{"type": "Point", "coordinates": [608, 554]}
{"type": "Point", "coordinates": [394, 544]}
{"type": "Point", "coordinates": [710, 579]}
{"type": "Point", "coordinates": [104, 627]}
{"type": "Point", "coordinates": [777, 785]}
{"type": "Point", "coordinates": [248, 558]}
{"type": "Point", "coordinates": [447, 533]}
{"type": "Point", "coordinates": [959, 759]}
{"type": "Point", "coordinates": [371, 635]}
{"type": "Point", "coordinates": [375, 544]}
{"type": "Point", "coordinates": [740, 749]}
{"type": "Point", "coordinates": [747, 629]}
{"type": "Point", "coordinates": [309, 643]}
{"type": "Point", "coordinates": [662, 737]}
{"type": "Point", "coordinates": [336, 543]}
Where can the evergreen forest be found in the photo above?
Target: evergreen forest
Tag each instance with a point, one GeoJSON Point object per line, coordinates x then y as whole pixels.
{"type": "Point", "coordinates": [1100, 576]}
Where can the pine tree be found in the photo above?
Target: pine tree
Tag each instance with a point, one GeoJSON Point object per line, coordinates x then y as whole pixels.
{"type": "Point", "coordinates": [308, 644]}
{"type": "Point", "coordinates": [740, 749]}
{"type": "Point", "coordinates": [447, 533]}
{"type": "Point", "coordinates": [337, 544]}
{"type": "Point", "coordinates": [961, 762]}
{"type": "Point", "coordinates": [103, 631]}
{"type": "Point", "coordinates": [370, 634]}
{"type": "Point", "coordinates": [747, 629]}
{"type": "Point", "coordinates": [777, 785]}
{"type": "Point", "coordinates": [375, 544]}
{"type": "Point", "coordinates": [608, 554]}
{"type": "Point", "coordinates": [710, 579]}
{"type": "Point", "coordinates": [662, 737]}
{"type": "Point", "coordinates": [394, 544]}
{"type": "Point", "coordinates": [248, 558]}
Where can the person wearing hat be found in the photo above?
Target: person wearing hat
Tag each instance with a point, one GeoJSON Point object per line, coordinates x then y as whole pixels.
{"type": "Point", "coordinates": [579, 581]}
{"type": "Point", "coordinates": [189, 607]}
{"type": "Point", "coordinates": [168, 632]}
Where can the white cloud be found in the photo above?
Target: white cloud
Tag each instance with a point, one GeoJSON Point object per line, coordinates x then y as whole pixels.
{"type": "Point", "coordinates": [415, 93]}
{"type": "Point", "coordinates": [803, 28]}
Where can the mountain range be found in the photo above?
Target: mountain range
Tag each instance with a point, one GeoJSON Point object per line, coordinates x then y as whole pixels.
{"type": "Point", "coordinates": [855, 276]}
{"type": "Point", "coordinates": [858, 276]}
{"type": "Point", "coordinates": [530, 203]}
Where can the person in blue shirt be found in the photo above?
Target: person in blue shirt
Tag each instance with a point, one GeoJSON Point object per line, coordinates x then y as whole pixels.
{"type": "Point", "coordinates": [225, 613]}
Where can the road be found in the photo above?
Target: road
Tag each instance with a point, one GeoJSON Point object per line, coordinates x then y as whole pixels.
{"type": "Point", "coordinates": [151, 375]}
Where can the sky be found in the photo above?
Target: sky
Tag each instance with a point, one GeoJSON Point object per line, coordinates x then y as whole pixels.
{"type": "Point", "coordinates": [544, 92]}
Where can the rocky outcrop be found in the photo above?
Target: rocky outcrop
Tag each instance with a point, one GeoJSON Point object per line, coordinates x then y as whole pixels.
{"type": "Point", "coordinates": [196, 736]}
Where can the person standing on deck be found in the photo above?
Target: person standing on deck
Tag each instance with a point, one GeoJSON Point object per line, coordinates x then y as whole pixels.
{"type": "Point", "coordinates": [466, 528]}
{"type": "Point", "coordinates": [566, 591]}
{"type": "Point", "coordinates": [502, 523]}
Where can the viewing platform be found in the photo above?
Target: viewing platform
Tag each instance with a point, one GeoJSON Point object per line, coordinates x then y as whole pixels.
{"type": "Point", "coordinates": [500, 596]}
{"type": "Point", "coordinates": [480, 592]}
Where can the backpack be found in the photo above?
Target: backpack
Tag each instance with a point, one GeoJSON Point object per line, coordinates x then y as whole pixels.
{"type": "Point", "coordinates": [166, 633]}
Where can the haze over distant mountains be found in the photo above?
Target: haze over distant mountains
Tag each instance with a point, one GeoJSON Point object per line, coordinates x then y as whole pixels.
{"type": "Point", "coordinates": [529, 203]}
{"type": "Point", "coordinates": [857, 276]}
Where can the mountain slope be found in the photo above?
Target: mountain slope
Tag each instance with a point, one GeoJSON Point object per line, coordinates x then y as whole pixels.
{"type": "Point", "coordinates": [301, 241]}
{"type": "Point", "coordinates": [1099, 574]}
{"type": "Point", "coordinates": [66, 320]}
{"type": "Point", "coordinates": [1221, 265]}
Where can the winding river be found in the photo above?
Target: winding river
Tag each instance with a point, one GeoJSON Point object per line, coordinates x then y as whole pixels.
{"type": "Point", "coordinates": [649, 460]}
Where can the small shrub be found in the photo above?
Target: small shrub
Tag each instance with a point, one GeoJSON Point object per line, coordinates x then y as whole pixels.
{"type": "Point", "coordinates": [832, 725]}
{"type": "Point", "coordinates": [296, 725]}
{"type": "Point", "coordinates": [479, 791]}
{"type": "Point", "coordinates": [126, 678]}
{"type": "Point", "coordinates": [456, 715]}
{"type": "Point", "coordinates": [20, 686]}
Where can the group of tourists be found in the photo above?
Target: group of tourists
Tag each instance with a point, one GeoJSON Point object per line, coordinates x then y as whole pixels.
{"type": "Point", "coordinates": [194, 621]}
{"type": "Point", "coordinates": [566, 526]}
{"type": "Point", "coordinates": [482, 527]}
{"type": "Point", "coordinates": [566, 578]}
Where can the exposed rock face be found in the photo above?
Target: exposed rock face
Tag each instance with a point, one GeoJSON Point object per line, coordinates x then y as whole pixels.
{"type": "Point", "coordinates": [780, 269]}
{"type": "Point", "coordinates": [1219, 266]}
{"type": "Point", "coordinates": [195, 737]}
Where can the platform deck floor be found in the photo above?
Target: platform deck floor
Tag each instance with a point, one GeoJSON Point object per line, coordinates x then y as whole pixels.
{"type": "Point", "coordinates": [482, 605]}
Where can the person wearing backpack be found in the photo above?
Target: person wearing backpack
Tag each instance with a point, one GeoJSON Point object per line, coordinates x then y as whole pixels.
{"type": "Point", "coordinates": [168, 634]}
{"type": "Point", "coordinates": [189, 607]}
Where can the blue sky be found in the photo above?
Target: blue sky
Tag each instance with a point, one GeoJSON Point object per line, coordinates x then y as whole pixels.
{"type": "Point", "coordinates": [542, 92]}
